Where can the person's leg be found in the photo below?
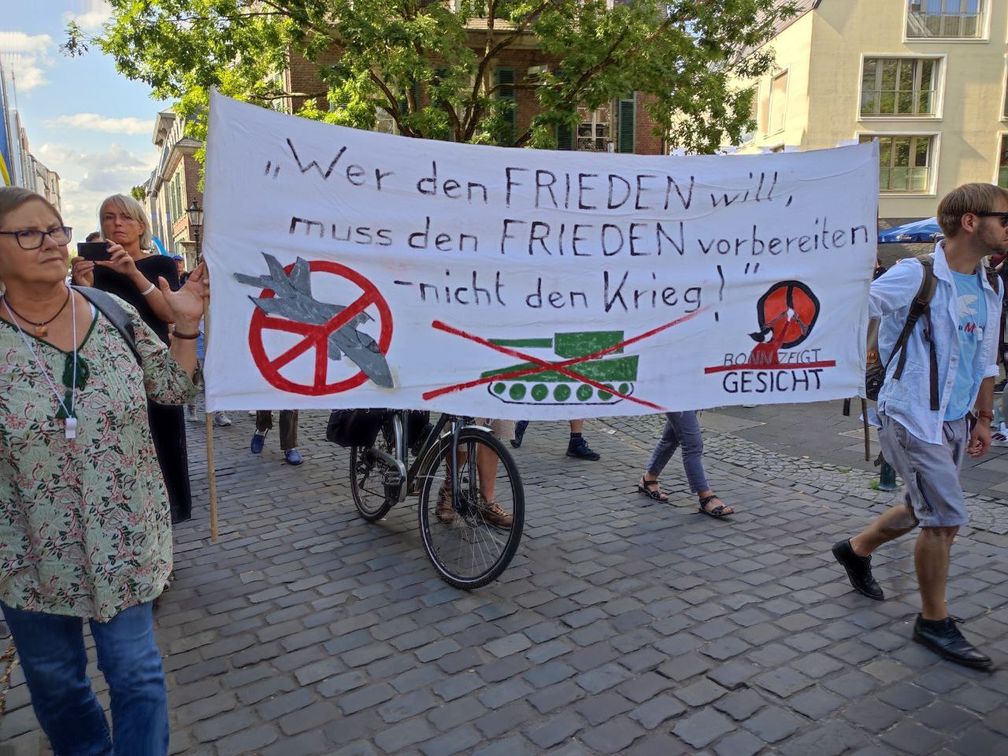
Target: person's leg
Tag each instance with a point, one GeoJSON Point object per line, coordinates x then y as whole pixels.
{"type": "Point", "coordinates": [519, 433]}
{"type": "Point", "coordinates": [264, 421]}
{"type": "Point", "coordinates": [854, 554]}
{"type": "Point", "coordinates": [663, 450]}
{"type": "Point", "coordinates": [51, 649]}
{"type": "Point", "coordinates": [888, 526]}
{"type": "Point", "coordinates": [288, 429]}
{"type": "Point", "coordinates": [486, 466]}
{"type": "Point", "coordinates": [577, 447]}
{"type": "Point", "coordinates": [931, 560]}
{"type": "Point", "coordinates": [129, 658]}
{"type": "Point", "coordinates": [288, 436]}
{"type": "Point", "coordinates": [263, 425]}
{"type": "Point", "coordinates": [687, 428]}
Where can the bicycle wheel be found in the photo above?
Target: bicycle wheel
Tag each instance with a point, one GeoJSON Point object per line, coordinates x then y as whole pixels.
{"type": "Point", "coordinates": [470, 538]}
{"type": "Point", "coordinates": [373, 483]}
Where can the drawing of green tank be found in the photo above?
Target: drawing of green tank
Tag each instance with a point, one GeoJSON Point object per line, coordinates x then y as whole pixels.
{"type": "Point", "coordinates": [552, 387]}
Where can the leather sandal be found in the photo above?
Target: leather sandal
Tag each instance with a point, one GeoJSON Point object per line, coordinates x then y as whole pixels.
{"type": "Point", "coordinates": [720, 512]}
{"type": "Point", "coordinates": [651, 489]}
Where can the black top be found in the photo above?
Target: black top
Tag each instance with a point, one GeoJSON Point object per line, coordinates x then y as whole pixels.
{"type": "Point", "coordinates": [151, 266]}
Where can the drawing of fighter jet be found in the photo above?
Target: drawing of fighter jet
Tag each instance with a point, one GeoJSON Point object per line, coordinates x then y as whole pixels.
{"type": "Point", "coordinates": [293, 300]}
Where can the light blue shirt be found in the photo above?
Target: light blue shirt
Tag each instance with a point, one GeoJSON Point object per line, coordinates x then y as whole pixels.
{"type": "Point", "coordinates": [972, 318]}
{"type": "Point", "coordinates": [908, 399]}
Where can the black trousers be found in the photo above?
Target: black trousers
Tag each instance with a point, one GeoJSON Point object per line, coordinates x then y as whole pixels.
{"type": "Point", "coordinates": [167, 424]}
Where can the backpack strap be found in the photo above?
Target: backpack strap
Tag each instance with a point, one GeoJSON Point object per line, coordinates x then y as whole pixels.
{"type": "Point", "coordinates": [920, 306]}
{"type": "Point", "coordinates": [115, 314]}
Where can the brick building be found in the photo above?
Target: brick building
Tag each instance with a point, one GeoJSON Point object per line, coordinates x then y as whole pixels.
{"type": "Point", "coordinates": [621, 125]}
{"type": "Point", "coordinates": [173, 186]}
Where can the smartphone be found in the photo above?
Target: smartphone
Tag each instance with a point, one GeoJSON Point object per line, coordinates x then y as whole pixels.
{"type": "Point", "coordinates": [93, 250]}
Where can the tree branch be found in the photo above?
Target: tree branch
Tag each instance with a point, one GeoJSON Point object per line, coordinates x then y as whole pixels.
{"type": "Point", "coordinates": [491, 50]}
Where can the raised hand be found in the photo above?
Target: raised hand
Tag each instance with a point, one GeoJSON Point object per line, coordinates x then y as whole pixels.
{"type": "Point", "coordinates": [187, 303]}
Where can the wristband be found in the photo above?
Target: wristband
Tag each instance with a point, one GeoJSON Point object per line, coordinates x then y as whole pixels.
{"type": "Point", "coordinates": [148, 290]}
{"type": "Point", "coordinates": [180, 335]}
{"type": "Point", "coordinates": [984, 414]}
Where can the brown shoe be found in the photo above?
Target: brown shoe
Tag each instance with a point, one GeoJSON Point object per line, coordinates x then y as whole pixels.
{"type": "Point", "coordinates": [496, 516]}
{"type": "Point", "coordinates": [444, 510]}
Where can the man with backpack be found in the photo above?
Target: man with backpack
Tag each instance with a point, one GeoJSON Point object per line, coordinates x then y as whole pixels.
{"type": "Point", "coordinates": [940, 406]}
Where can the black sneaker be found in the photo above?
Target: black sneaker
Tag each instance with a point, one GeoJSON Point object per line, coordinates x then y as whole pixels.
{"type": "Point", "coordinates": [858, 570]}
{"type": "Point", "coordinates": [944, 638]}
{"type": "Point", "coordinates": [579, 449]}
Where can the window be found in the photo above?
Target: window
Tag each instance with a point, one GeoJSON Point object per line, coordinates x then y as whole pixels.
{"type": "Point", "coordinates": [1004, 105]}
{"type": "Point", "coordinates": [957, 19]}
{"type": "Point", "coordinates": [899, 86]}
{"type": "Point", "coordinates": [778, 103]}
{"type": "Point", "coordinates": [627, 124]}
{"type": "Point", "coordinates": [1002, 175]}
{"type": "Point", "coordinates": [384, 122]}
{"type": "Point", "coordinates": [505, 79]}
{"type": "Point", "coordinates": [593, 131]}
{"type": "Point", "coordinates": [565, 137]}
{"type": "Point", "coordinates": [904, 162]}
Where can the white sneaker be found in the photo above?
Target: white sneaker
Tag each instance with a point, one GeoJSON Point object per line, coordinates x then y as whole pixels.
{"type": "Point", "coordinates": [221, 420]}
{"type": "Point", "coordinates": [1000, 436]}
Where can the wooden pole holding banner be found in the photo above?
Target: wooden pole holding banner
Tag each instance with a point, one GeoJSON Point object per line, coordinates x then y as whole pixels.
{"type": "Point", "coordinates": [211, 471]}
{"type": "Point", "coordinates": [867, 438]}
{"type": "Point", "coordinates": [195, 213]}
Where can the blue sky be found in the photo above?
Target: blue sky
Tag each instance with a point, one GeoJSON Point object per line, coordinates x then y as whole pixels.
{"type": "Point", "coordinates": [84, 120]}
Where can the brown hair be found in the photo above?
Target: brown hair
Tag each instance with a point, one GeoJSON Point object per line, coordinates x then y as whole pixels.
{"type": "Point", "coordinates": [12, 197]}
{"type": "Point", "coordinates": [968, 198]}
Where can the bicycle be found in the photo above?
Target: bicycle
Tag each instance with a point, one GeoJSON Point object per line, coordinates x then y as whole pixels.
{"type": "Point", "coordinates": [467, 538]}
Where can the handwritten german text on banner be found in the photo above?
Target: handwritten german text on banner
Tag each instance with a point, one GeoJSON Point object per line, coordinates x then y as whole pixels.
{"type": "Point", "coordinates": [356, 269]}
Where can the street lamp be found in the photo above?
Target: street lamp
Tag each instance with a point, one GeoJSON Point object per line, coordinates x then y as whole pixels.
{"type": "Point", "coordinates": [195, 213]}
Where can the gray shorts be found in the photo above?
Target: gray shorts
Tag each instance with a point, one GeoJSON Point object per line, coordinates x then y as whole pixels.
{"type": "Point", "coordinates": [930, 472]}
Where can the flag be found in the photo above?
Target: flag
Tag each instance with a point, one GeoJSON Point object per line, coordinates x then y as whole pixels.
{"type": "Point", "coordinates": [5, 147]}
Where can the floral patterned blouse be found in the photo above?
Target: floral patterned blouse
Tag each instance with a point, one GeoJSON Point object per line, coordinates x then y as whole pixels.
{"type": "Point", "coordinates": [84, 524]}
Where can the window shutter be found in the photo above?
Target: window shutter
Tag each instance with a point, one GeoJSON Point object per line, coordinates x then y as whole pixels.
{"type": "Point", "coordinates": [505, 79]}
{"type": "Point", "coordinates": [565, 137]}
{"type": "Point", "coordinates": [627, 124]}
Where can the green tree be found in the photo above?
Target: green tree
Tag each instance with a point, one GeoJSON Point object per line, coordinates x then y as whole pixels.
{"type": "Point", "coordinates": [429, 64]}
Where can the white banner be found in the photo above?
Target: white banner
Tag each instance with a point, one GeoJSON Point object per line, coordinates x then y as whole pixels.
{"type": "Point", "coordinates": [357, 269]}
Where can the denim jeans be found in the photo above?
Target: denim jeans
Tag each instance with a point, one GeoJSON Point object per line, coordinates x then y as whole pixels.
{"type": "Point", "coordinates": [681, 429]}
{"type": "Point", "coordinates": [51, 650]}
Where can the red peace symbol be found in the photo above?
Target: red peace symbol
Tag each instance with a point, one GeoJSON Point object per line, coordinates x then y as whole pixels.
{"type": "Point", "coordinates": [772, 312]}
{"type": "Point", "coordinates": [317, 336]}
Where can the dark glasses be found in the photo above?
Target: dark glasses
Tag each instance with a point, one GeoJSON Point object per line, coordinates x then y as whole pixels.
{"type": "Point", "coordinates": [1003, 217]}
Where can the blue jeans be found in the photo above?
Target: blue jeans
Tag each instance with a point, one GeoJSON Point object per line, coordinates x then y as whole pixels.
{"type": "Point", "coordinates": [51, 649]}
{"type": "Point", "coordinates": [681, 429]}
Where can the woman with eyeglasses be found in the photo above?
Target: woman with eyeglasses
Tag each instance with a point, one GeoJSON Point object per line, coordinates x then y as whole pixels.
{"type": "Point", "coordinates": [84, 518]}
{"type": "Point", "coordinates": [131, 274]}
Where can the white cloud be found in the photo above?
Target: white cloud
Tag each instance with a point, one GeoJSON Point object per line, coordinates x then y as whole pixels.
{"type": "Point", "coordinates": [26, 56]}
{"type": "Point", "coordinates": [94, 14]}
{"type": "Point", "coordinates": [95, 122]}
{"type": "Point", "coordinates": [86, 178]}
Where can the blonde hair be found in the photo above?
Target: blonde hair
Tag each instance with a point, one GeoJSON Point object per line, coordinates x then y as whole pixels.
{"type": "Point", "coordinates": [968, 198]}
{"type": "Point", "coordinates": [126, 204]}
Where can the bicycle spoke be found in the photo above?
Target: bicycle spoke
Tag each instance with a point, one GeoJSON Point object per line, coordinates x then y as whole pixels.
{"type": "Point", "coordinates": [473, 543]}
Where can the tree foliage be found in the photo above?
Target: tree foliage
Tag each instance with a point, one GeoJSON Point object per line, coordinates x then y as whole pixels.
{"type": "Point", "coordinates": [429, 64]}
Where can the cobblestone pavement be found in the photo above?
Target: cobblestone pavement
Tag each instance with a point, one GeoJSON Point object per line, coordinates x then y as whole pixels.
{"type": "Point", "coordinates": [622, 626]}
